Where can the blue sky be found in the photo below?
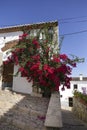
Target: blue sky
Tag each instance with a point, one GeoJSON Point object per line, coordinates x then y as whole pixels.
{"type": "Point", "coordinates": [31, 11]}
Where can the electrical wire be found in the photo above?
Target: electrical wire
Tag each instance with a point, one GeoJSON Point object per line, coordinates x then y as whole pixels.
{"type": "Point", "coordinates": [73, 33]}
{"type": "Point", "coordinates": [71, 18]}
{"type": "Point", "coordinates": [72, 21]}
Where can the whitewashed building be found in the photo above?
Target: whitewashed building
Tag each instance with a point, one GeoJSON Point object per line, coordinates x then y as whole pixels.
{"type": "Point", "coordinates": [78, 83]}
{"type": "Point", "coordinates": [9, 37]}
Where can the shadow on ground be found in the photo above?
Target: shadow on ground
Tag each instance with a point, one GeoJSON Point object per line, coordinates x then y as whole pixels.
{"type": "Point", "coordinates": [22, 112]}
{"type": "Point", "coordinates": [71, 122]}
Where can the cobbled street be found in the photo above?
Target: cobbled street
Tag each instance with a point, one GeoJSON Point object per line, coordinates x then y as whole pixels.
{"type": "Point", "coordinates": [24, 112]}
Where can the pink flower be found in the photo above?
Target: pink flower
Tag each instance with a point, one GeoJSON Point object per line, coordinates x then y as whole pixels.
{"type": "Point", "coordinates": [36, 57]}
{"type": "Point", "coordinates": [6, 62]}
{"type": "Point", "coordinates": [56, 59]}
{"type": "Point", "coordinates": [24, 72]}
{"type": "Point", "coordinates": [35, 66]}
{"type": "Point", "coordinates": [48, 68]}
{"type": "Point", "coordinates": [47, 51]}
{"type": "Point", "coordinates": [63, 57]}
{"type": "Point", "coordinates": [36, 43]}
{"type": "Point", "coordinates": [21, 69]}
{"type": "Point", "coordinates": [41, 117]}
{"type": "Point", "coordinates": [16, 60]}
{"type": "Point", "coordinates": [74, 64]}
{"type": "Point", "coordinates": [62, 69]}
{"type": "Point", "coordinates": [67, 82]}
{"type": "Point", "coordinates": [23, 36]}
{"type": "Point", "coordinates": [63, 88]}
{"type": "Point", "coordinates": [57, 88]}
{"type": "Point", "coordinates": [39, 72]}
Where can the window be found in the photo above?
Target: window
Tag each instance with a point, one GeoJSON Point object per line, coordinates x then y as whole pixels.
{"type": "Point", "coordinates": [71, 101]}
{"type": "Point", "coordinates": [75, 86]}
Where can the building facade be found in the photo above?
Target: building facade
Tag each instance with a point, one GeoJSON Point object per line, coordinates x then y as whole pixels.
{"type": "Point", "coordinates": [9, 37]}
{"type": "Point", "coordinates": [78, 84]}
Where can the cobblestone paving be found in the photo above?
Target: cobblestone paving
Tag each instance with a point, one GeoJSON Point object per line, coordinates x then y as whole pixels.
{"type": "Point", "coordinates": [25, 112]}
{"type": "Point", "coordinates": [22, 112]}
{"type": "Point", "coordinates": [70, 122]}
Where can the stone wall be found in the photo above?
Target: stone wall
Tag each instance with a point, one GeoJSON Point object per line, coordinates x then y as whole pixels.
{"type": "Point", "coordinates": [80, 109]}
{"type": "Point", "coordinates": [53, 117]}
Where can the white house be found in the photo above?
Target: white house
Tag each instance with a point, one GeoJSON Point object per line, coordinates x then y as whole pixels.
{"type": "Point", "coordinates": [77, 83]}
{"type": "Point", "coordinates": [9, 37]}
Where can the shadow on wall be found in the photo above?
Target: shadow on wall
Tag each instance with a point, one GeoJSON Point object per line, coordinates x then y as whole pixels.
{"type": "Point", "coordinates": [22, 111]}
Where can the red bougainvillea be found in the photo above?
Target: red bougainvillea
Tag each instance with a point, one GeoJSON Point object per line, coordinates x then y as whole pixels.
{"type": "Point", "coordinates": [39, 64]}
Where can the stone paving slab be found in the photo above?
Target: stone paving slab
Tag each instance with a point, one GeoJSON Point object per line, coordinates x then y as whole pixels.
{"type": "Point", "coordinates": [22, 112]}
{"type": "Point", "coordinates": [17, 110]}
{"type": "Point", "coordinates": [70, 121]}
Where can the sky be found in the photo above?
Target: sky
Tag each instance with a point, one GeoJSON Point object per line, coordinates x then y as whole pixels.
{"type": "Point", "coordinates": [70, 14]}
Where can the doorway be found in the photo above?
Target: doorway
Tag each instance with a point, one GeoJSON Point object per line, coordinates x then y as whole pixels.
{"type": "Point", "coordinates": [7, 76]}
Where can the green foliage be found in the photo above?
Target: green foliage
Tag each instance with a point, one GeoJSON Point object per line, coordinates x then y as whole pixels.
{"type": "Point", "coordinates": [81, 96]}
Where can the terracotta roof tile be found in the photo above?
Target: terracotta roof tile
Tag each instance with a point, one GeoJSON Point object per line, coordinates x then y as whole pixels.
{"type": "Point", "coordinates": [27, 26]}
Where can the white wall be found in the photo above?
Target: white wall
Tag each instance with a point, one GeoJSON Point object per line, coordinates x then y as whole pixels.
{"type": "Point", "coordinates": [69, 92]}
{"type": "Point", "coordinates": [1, 55]}
{"type": "Point", "coordinates": [6, 37]}
{"type": "Point", "coordinates": [80, 84]}
{"type": "Point", "coordinates": [65, 97]}
{"type": "Point", "coordinates": [20, 84]}
{"type": "Point", "coordinates": [66, 93]}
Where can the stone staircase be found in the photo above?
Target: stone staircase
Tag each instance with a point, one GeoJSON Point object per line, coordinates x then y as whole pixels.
{"type": "Point", "coordinates": [22, 112]}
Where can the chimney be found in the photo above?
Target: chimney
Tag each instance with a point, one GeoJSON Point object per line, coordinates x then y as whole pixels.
{"type": "Point", "coordinates": [81, 77]}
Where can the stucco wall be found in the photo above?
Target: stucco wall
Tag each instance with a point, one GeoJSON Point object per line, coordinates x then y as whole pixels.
{"type": "Point", "coordinates": [69, 92]}
{"type": "Point", "coordinates": [20, 84]}
{"type": "Point", "coordinates": [80, 84]}
{"type": "Point", "coordinates": [1, 70]}
{"type": "Point", "coordinates": [6, 37]}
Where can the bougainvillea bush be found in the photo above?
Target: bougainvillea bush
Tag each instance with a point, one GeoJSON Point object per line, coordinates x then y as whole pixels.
{"type": "Point", "coordinates": [39, 63]}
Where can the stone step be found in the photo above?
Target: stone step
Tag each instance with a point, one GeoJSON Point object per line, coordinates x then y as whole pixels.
{"type": "Point", "coordinates": [30, 125]}
{"type": "Point", "coordinates": [32, 120]}
{"type": "Point", "coordinates": [29, 111]}
{"type": "Point", "coordinates": [22, 111]}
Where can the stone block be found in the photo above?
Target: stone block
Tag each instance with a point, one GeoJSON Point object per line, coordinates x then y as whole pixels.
{"type": "Point", "coordinates": [53, 116]}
